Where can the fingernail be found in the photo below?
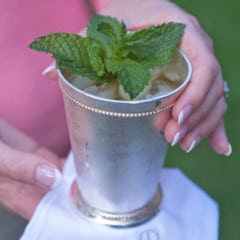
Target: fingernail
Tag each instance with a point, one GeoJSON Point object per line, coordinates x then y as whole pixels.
{"type": "Point", "coordinates": [179, 135]}
{"type": "Point", "coordinates": [48, 69]}
{"type": "Point", "coordinates": [229, 152]}
{"type": "Point", "coordinates": [48, 176]}
{"type": "Point", "coordinates": [193, 144]}
{"type": "Point", "coordinates": [185, 112]}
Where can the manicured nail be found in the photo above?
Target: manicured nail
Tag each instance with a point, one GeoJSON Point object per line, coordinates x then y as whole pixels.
{"type": "Point", "coordinates": [193, 144]}
{"type": "Point", "coordinates": [229, 152]}
{"type": "Point", "coordinates": [186, 111]}
{"type": "Point", "coordinates": [48, 176]}
{"type": "Point", "coordinates": [179, 135]}
{"type": "Point", "coordinates": [48, 69]}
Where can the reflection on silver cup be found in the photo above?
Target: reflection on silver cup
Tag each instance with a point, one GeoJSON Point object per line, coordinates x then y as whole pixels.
{"type": "Point", "coordinates": [118, 152]}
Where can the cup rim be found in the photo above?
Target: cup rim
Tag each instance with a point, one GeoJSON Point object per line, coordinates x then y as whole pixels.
{"type": "Point", "coordinates": [133, 102]}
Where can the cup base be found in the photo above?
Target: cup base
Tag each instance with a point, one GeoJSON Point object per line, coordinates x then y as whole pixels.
{"type": "Point", "coordinates": [125, 219]}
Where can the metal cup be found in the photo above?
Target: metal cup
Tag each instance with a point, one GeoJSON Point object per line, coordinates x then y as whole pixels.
{"type": "Point", "coordinates": [118, 152]}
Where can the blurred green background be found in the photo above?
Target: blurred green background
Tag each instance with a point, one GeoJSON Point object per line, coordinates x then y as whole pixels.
{"type": "Point", "coordinates": [219, 176]}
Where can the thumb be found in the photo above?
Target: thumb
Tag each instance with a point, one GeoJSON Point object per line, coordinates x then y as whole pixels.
{"type": "Point", "coordinates": [28, 168]}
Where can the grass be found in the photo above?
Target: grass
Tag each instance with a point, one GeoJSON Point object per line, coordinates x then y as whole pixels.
{"type": "Point", "coordinates": [217, 175]}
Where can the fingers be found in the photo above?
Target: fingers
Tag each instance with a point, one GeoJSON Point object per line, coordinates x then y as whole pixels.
{"type": "Point", "coordinates": [205, 71]}
{"type": "Point", "coordinates": [51, 72]}
{"type": "Point", "coordinates": [198, 114]}
{"type": "Point", "coordinates": [211, 126]}
{"type": "Point", "coordinates": [21, 199]}
{"type": "Point", "coordinates": [28, 168]}
{"type": "Point", "coordinates": [16, 139]}
{"type": "Point", "coordinates": [160, 120]}
{"type": "Point", "coordinates": [20, 141]}
{"type": "Point", "coordinates": [199, 111]}
{"type": "Point", "coordinates": [205, 126]}
{"type": "Point", "coordinates": [219, 141]}
{"type": "Point", "coordinates": [26, 171]}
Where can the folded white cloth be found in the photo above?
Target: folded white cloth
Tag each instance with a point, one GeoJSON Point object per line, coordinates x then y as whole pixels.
{"type": "Point", "coordinates": [187, 213]}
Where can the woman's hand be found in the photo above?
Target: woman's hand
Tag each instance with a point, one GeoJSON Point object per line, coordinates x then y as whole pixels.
{"type": "Point", "coordinates": [27, 171]}
{"type": "Point", "coordinates": [199, 111]}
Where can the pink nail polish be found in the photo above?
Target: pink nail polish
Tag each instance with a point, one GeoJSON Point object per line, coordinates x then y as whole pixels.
{"type": "Point", "coordinates": [48, 69]}
{"type": "Point", "coordinates": [48, 176]}
{"type": "Point", "coordinates": [193, 144]}
{"type": "Point", "coordinates": [179, 135]}
{"type": "Point", "coordinates": [185, 112]}
{"type": "Point", "coordinates": [229, 152]}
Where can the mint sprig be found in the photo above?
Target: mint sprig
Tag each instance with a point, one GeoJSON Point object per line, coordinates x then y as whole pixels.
{"type": "Point", "coordinates": [109, 52]}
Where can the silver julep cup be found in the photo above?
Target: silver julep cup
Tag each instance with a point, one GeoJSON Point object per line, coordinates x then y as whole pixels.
{"type": "Point", "coordinates": [118, 152]}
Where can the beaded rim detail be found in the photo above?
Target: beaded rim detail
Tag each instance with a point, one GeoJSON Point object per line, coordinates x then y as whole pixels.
{"type": "Point", "coordinates": [119, 219]}
{"type": "Point", "coordinates": [156, 110]}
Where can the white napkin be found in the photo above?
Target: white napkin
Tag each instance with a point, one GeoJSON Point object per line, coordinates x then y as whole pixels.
{"type": "Point", "coordinates": [187, 213]}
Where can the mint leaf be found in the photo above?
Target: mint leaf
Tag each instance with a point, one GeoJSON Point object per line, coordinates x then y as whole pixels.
{"type": "Point", "coordinates": [107, 32]}
{"type": "Point", "coordinates": [133, 77]}
{"type": "Point", "coordinates": [155, 45]}
{"type": "Point", "coordinates": [71, 51]}
{"type": "Point", "coordinates": [109, 52]}
{"type": "Point", "coordinates": [74, 67]}
{"type": "Point", "coordinates": [96, 59]}
{"type": "Point", "coordinates": [144, 42]}
{"type": "Point", "coordinates": [162, 57]}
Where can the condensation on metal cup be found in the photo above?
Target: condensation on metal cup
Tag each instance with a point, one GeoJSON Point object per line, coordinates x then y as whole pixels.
{"type": "Point", "coordinates": [118, 153]}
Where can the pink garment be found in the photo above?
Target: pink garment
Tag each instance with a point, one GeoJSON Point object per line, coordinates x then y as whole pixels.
{"type": "Point", "coordinates": [98, 5]}
{"type": "Point", "coordinates": [29, 101]}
